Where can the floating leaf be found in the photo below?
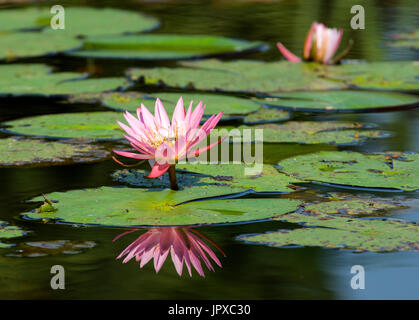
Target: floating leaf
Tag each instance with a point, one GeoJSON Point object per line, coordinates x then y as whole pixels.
{"type": "Point", "coordinates": [34, 44]}
{"type": "Point", "coordinates": [341, 101]}
{"type": "Point", "coordinates": [161, 46]}
{"type": "Point", "coordinates": [408, 39]}
{"type": "Point", "coordinates": [34, 79]}
{"type": "Point", "coordinates": [14, 152]}
{"type": "Point", "coordinates": [311, 132]}
{"type": "Point", "coordinates": [38, 249]}
{"type": "Point", "coordinates": [86, 125]}
{"type": "Point", "coordinates": [78, 21]}
{"type": "Point", "coordinates": [403, 75]}
{"type": "Point", "coordinates": [235, 175]}
{"type": "Point", "coordinates": [265, 115]}
{"type": "Point", "coordinates": [393, 170]}
{"type": "Point", "coordinates": [8, 232]}
{"type": "Point", "coordinates": [339, 232]}
{"type": "Point", "coordinates": [230, 106]}
{"type": "Point", "coordinates": [138, 207]}
{"type": "Point", "coordinates": [238, 76]}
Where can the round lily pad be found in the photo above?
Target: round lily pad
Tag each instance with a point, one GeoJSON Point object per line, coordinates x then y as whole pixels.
{"type": "Point", "coordinates": [266, 115]}
{"type": "Point", "coordinates": [9, 232]}
{"type": "Point", "coordinates": [229, 105]}
{"type": "Point", "coordinates": [36, 249]}
{"type": "Point", "coordinates": [78, 21]}
{"type": "Point", "coordinates": [311, 132]}
{"type": "Point", "coordinates": [34, 79]}
{"type": "Point", "coordinates": [18, 152]}
{"type": "Point", "coordinates": [161, 46]}
{"type": "Point", "coordinates": [392, 171]}
{"type": "Point", "coordinates": [235, 175]}
{"type": "Point", "coordinates": [339, 232]}
{"type": "Point", "coordinates": [394, 75]}
{"type": "Point", "coordinates": [87, 125]}
{"type": "Point", "coordinates": [237, 76]}
{"type": "Point", "coordinates": [33, 44]}
{"type": "Point", "coordinates": [138, 207]}
{"type": "Point", "coordinates": [342, 101]}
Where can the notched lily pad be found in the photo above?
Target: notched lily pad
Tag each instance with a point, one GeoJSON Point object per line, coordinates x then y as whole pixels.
{"type": "Point", "coordinates": [85, 125]}
{"type": "Point", "coordinates": [138, 207]}
{"type": "Point", "coordinates": [19, 152]}
{"type": "Point", "coordinates": [161, 46]}
{"type": "Point", "coordinates": [237, 76]}
{"type": "Point", "coordinates": [38, 249]}
{"type": "Point", "coordinates": [391, 171]}
{"type": "Point", "coordinates": [341, 101]}
{"type": "Point", "coordinates": [9, 232]}
{"type": "Point", "coordinates": [311, 132]}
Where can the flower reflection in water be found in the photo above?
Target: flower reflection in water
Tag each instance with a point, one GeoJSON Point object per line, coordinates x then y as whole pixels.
{"type": "Point", "coordinates": [185, 244]}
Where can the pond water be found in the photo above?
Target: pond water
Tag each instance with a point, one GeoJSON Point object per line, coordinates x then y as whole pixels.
{"type": "Point", "coordinates": [248, 271]}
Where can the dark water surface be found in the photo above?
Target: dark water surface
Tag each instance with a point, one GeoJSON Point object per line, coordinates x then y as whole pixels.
{"type": "Point", "coordinates": [249, 271]}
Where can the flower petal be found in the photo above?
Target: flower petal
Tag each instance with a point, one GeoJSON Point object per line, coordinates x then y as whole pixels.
{"type": "Point", "coordinates": [287, 54]}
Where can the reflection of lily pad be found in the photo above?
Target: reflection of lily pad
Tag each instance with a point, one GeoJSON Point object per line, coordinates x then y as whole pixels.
{"type": "Point", "coordinates": [161, 46]}
{"type": "Point", "coordinates": [270, 180]}
{"type": "Point", "coordinates": [33, 44]}
{"type": "Point", "coordinates": [396, 171]}
{"type": "Point", "coordinates": [35, 79]}
{"type": "Point", "coordinates": [402, 75]}
{"type": "Point", "coordinates": [136, 207]}
{"type": "Point", "coordinates": [46, 248]}
{"type": "Point", "coordinates": [408, 39]}
{"type": "Point", "coordinates": [310, 132]}
{"type": "Point", "coordinates": [8, 232]}
{"type": "Point", "coordinates": [265, 115]}
{"type": "Point", "coordinates": [15, 152]}
{"type": "Point", "coordinates": [237, 76]}
{"type": "Point", "coordinates": [341, 101]}
{"type": "Point", "coordinates": [78, 21]}
{"type": "Point", "coordinates": [339, 232]}
{"type": "Point", "coordinates": [87, 125]}
{"type": "Point", "coordinates": [214, 103]}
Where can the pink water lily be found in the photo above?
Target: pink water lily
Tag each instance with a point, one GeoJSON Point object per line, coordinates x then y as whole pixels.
{"type": "Point", "coordinates": [184, 244]}
{"type": "Point", "coordinates": [165, 142]}
{"type": "Point", "coordinates": [320, 45]}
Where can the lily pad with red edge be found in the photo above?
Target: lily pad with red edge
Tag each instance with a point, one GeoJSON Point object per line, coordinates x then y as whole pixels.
{"type": "Point", "coordinates": [128, 207]}
{"type": "Point", "coordinates": [390, 171]}
{"type": "Point", "coordinates": [313, 132]}
{"type": "Point", "coordinates": [341, 101]}
{"type": "Point", "coordinates": [25, 152]}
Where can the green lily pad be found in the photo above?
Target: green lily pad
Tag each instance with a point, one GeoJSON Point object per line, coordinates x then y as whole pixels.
{"type": "Point", "coordinates": [311, 132]}
{"type": "Point", "coordinates": [34, 44]}
{"type": "Point", "coordinates": [161, 46]}
{"type": "Point", "coordinates": [265, 115]}
{"type": "Point", "coordinates": [341, 101]}
{"type": "Point", "coordinates": [339, 232]}
{"type": "Point", "coordinates": [408, 39]}
{"type": "Point", "coordinates": [86, 125]}
{"type": "Point", "coordinates": [18, 152]}
{"type": "Point", "coordinates": [353, 207]}
{"type": "Point", "coordinates": [78, 21]}
{"type": "Point", "coordinates": [35, 79]}
{"type": "Point", "coordinates": [138, 207]}
{"type": "Point", "coordinates": [230, 106]}
{"type": "Point", "coordinates": [234, 175]}
{"type": "Point", "coordinates": [9, 232]}
{"type": "Point", "coordinates": [403, 75]}
{"type": "Point", "coordinates": [394, 170]}
{"type": "Point", "coordinates": [38, 249]}
{"type": "Point", "coordinates": [237, 76]}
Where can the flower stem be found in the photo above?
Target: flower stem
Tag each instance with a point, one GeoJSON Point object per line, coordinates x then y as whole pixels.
{"type": "Point", "coordinates": [172, 176]}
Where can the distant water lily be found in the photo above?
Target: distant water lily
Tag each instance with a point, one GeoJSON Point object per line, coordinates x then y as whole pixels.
{"type": "Point", "coordinates": [320, 45]}
{"type": "Point", "coordinates": [184, 244]}
{"type": "Point", "coordinates": [165, 142]}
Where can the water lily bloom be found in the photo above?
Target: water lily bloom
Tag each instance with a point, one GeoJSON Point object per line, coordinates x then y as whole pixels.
{"type": "Point", "coordinates": [320, 45]}
{"type": "Point", "coordinates": [165, 142]}
{"type": "Point", "coordinates": [184, 244]}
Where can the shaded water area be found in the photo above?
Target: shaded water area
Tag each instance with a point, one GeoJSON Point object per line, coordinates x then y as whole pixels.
{"type": "Point", "coordinates": [248, 271]}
